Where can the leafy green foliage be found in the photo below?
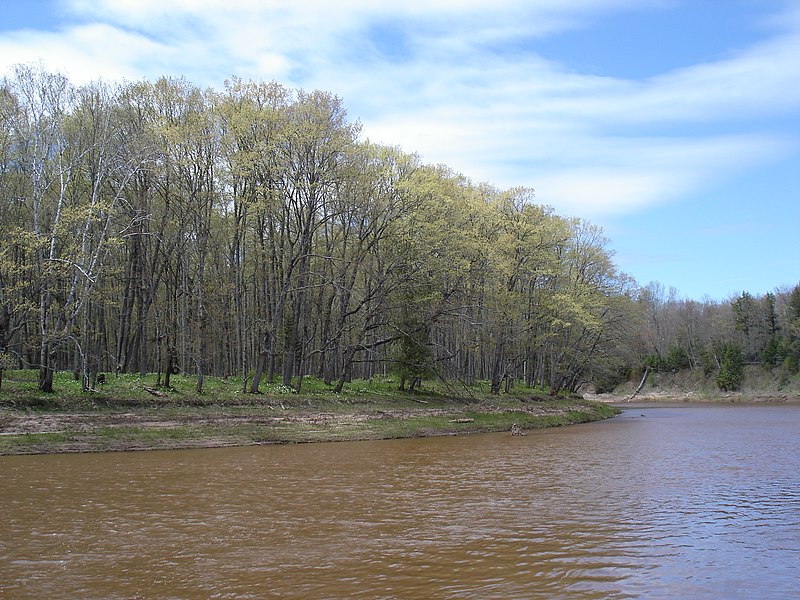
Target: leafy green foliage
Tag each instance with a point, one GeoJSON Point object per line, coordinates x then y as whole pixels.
{"type": "Point", "coordinates": [773, 354]}
{"type": "Point", "coordinates": [675, 359]}
{"type": "Point", "coordinates": [731, 368]}
{"type": "Point", "coordinates": [708, 359]}
{"type": "Point", "coordinates": [155, 227]}
{"type": "Point", "coordinates": [608, 374]}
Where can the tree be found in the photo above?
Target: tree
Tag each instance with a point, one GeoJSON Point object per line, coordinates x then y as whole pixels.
{"type": "Point", "coordinates": [158, 227]}
{"type": "Point", "coordinates": [357, 271]}
{"type": "Point", "coordinates": [254, 121]}
{"type": "Point", "coordinates": [771, 355]}
{"type": "Point", "coordinates": [413, 357]}
{"type": "Point", "coordinates": [43, 162]}
{"type": "Point", "coordinates": [791, 343]}
{"type": "Point", "coordinates": [316, 141]}
{"type": "Point", "coordinates": [594, 306]}
{"type": "Point", "coordinates": [731, 368]}
{"type": "Point", "coordinates": [17, 244]}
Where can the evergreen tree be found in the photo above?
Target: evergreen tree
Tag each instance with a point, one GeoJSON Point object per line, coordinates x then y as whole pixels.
{"type": "Point", "coordinates": [731, 368]}
{"type": "Point", "coordinates": [791, 341]}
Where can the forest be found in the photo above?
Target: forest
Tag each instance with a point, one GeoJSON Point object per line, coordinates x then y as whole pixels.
{"type": "Point", "coordinates": [251, 233]}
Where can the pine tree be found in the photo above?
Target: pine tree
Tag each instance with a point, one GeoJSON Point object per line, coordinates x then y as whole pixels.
{"type": "Point", "coordinates": [731, 369]}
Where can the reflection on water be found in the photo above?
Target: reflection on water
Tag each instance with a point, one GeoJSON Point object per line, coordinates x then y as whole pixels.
{"type": "Point", "coordinates": [662, 502]}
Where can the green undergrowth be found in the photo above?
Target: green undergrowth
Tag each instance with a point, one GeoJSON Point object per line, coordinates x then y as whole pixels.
{"type": "Point", "coordinates": [19, 391]}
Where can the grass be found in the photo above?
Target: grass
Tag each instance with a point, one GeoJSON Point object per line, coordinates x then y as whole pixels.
{"type": "Point", "coordinates": [125, 415]}
{"type": "Point", "coordinates": [19, 389]}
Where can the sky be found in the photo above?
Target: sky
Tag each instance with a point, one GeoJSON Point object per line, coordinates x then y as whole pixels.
{"type": "Point", "coordinates": [672, 124]}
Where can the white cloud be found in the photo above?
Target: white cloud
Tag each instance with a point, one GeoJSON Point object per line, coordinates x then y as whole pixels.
{"type": "Point", "coordinates": [632, 174]}
{"type": "Point", "coordinates": [755, 82]}
{"type": "Point", "coordinates": [84, 53]}
{"type": "Point", "coordinates": [589, 145]}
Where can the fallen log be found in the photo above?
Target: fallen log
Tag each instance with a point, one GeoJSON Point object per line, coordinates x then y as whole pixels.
{"type": "Point", "coordinates": [641, 385]}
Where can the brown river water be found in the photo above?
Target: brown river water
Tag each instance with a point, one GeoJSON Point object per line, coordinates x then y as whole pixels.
{"type": "Point", "coordinates": [688, 501]}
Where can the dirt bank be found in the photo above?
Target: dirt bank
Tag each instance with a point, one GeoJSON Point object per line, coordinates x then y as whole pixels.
{"type": "Point", "coordinates": [34, 432]}
{"type": "Point", "coordinates": [694, 396]}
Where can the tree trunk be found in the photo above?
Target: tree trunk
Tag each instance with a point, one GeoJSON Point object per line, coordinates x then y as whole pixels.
{"type": "Point", "coordinates": [46, 370]}
{"type": "Point", "coordinates": [331, 359]}
{"type": "Point", "coordinates": [172, 363]}
{"type": "Point", "coordinates": [497, 370]}
{"type": "Point", "coordinates": [200, 377]}
{"type": "Point", "coordinates": [640, 386]}
{"type": "Point", "coordinates": [262, 362]}
{"type": "Point", "coordinates": [289, 358]}
{"type": "Point", "coordinates": [348, 362]}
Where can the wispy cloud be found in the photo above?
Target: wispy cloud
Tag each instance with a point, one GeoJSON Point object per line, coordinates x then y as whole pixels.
{"type": "Point", "coordinates": [460, 83]}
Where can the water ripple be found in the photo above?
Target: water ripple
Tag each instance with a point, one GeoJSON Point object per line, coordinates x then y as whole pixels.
{"type": "Point", "coordinates": [691, 502]}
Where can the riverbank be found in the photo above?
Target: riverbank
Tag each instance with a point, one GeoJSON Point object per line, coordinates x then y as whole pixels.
{"type": "Point", "coordinates": [677, 396]}
{"type": "Point", "coordinates": [131, 413]}
{"type": "Point", "coordinates": [758, 385]}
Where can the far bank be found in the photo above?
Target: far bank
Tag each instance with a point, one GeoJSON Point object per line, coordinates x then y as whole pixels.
{"type": "Point", "coordinates": [691, 385]}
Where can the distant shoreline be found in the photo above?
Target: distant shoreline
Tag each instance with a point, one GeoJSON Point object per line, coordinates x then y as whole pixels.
{"type": "Point", "coordinates": [698, 397]}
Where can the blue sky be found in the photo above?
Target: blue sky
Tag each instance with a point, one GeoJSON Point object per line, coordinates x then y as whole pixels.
{"type": "Point", "coordinates": [673, 124]}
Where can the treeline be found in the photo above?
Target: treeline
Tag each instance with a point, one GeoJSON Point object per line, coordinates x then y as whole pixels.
{"type": "Point", "coordinates": [250, 233]}
{"type": "Point", "coordinates": [718, 337]}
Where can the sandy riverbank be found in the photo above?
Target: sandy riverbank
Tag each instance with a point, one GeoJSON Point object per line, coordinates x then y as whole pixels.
{"type": "Point", "coordinates": [693, 396]}
{"type": "Point", "coordinates": [36, 432]}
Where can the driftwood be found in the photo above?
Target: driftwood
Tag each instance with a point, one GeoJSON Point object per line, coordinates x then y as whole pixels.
{"type": "Point", "coordinates": [517, 430]}
{"type": "Point", "coordinates": [462, 420]}
{"type": "Point", "coordinates": [641, 385]}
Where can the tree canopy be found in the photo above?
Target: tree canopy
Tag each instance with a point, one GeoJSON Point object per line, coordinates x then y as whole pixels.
{"type": "Point", "coordinates": [250, 232]}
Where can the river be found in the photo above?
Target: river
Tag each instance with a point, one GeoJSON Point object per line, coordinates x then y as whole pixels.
{"type": "Point", "coordinates": [683, 501]}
